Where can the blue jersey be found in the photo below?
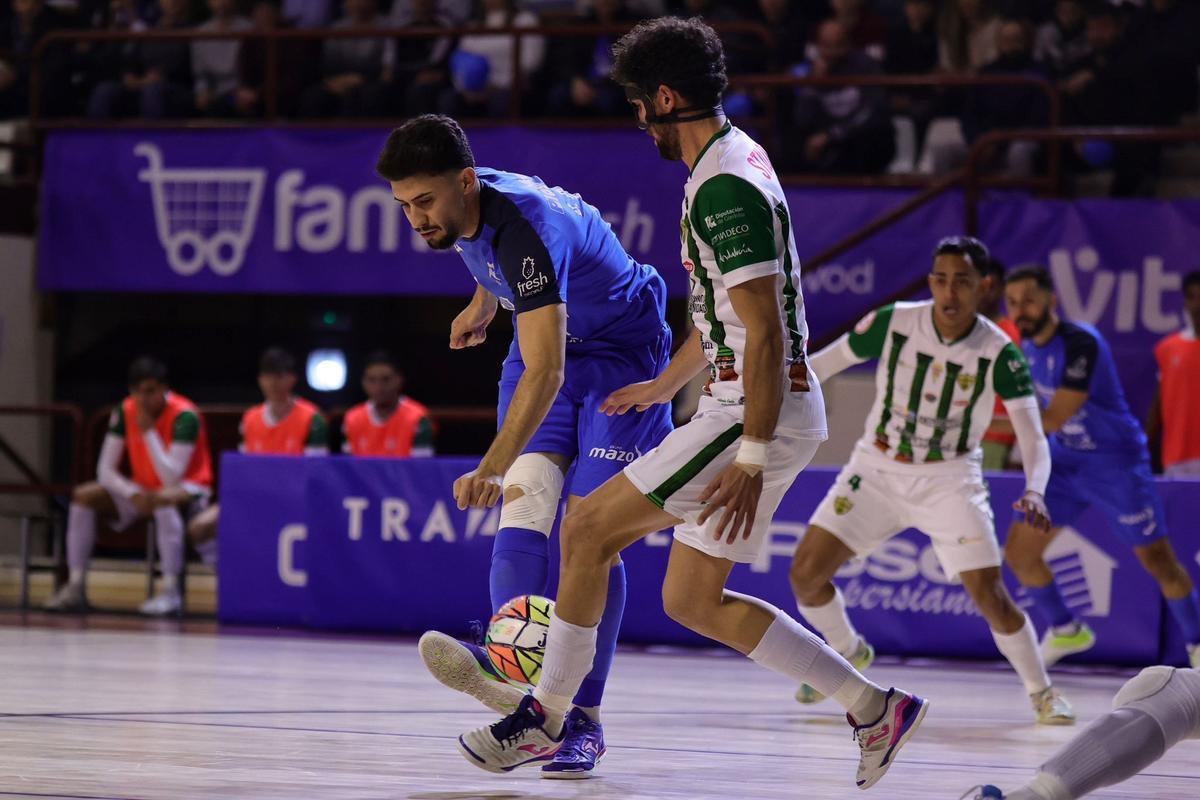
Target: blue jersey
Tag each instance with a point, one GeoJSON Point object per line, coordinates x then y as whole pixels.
{"type": "Point", "coordinates": [1077, 357]}
{"type": "Point", "coordinates": [540, 245]}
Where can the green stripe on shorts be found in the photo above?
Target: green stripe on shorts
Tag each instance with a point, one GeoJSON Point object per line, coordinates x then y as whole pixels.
{"type": "Point", "coordinates": [693, 467]}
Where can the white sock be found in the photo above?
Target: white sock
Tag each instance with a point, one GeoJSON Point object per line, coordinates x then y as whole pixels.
{"type": "Point", "coordinates": [168, 523]}
{"type": "Point", "coordinates": [570, 650]}
{"type": "Point", "coordinates": [1112, 749]}
{"type": "Point", "coordinates": [796, 653]}
{"type": "Point", "coordinates": [208, 551]}
{"type": "Point", "coordinates": [830, 621]}
{"type": "Point", "coordinates": [81, 539]}
{"type": "Point", "coordinates": [1021, 650]}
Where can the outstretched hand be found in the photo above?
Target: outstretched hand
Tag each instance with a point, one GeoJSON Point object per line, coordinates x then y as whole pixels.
{"type": "Point", "coordinates": [1033, 506]}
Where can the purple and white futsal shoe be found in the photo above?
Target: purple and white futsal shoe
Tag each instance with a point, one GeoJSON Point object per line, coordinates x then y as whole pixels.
{"type": "Point", "coordinates": [879, 741]}
{"type": "Point", "coordinates": [582, 748]}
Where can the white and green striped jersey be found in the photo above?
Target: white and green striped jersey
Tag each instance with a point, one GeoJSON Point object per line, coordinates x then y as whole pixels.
{"type": "Point", "coordinates": [736, 228]}
{"type": "Point", "coordinates": [933, 398]}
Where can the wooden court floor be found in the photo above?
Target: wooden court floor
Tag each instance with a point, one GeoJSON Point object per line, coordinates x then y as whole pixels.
{"type": "Point", "coordinates": [159, 714]}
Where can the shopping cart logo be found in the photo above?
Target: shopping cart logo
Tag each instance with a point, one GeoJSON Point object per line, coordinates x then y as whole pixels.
{"type": "Point", "coordinates": [203, 216]}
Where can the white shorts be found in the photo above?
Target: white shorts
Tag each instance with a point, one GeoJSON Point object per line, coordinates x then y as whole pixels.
{"type": "Point", "coordinates": [127, 512]}
{"type": "Point", "coordinates": [675, 474]}
{"type": "Point", "coordinates": [865, 507]}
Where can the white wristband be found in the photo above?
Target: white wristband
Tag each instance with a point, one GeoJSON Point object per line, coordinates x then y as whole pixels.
{"type": "Point", "coordinates": [752, 454]}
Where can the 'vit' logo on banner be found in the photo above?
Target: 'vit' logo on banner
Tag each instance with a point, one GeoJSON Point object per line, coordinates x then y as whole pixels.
{"type": "Point", "coordinates": [203, 216]}
{"type": "Point", "coordinates": [1136, 299]}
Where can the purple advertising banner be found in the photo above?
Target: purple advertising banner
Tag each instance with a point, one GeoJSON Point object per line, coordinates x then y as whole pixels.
{"type": "Point", "coordinates": [301, 211]}
{"type": "Point", "coordinates": [379, 545]}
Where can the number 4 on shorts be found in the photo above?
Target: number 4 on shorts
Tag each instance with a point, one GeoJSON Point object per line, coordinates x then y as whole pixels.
{"type": "Point", "coordinates": [855, 482]}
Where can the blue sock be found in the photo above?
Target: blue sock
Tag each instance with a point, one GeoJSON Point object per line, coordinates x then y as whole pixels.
{"type": "Point", "coordinates": [1050, 605]}
{"type": "Point", "coordinates": [1186, 611]}
{"type": "Point", "coordinates": [520, 565]}
{"type": "Point", "coordinates": [591, 691]}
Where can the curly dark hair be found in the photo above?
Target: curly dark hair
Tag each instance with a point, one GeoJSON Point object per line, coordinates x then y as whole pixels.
{"type": "Point", "coordinates": [426, 145]}
{"type": "Point", "coordinates": [684, 54]}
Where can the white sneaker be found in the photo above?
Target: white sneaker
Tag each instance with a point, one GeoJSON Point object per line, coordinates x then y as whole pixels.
{"type": "Point", "coordinates": [879, 741]}
{"type": "Point", "coordinates": [162, 605]}
{"type": "Point", "coordinates": [1052, 708]}
{"type": "Point", "coordinates": [515, 741]}
{"type": "Point", "coordinates": [466, 668]}
{"type": "Point", "coordinates": [70, 597]}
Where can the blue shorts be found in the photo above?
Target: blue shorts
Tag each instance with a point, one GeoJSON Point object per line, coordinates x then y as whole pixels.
{"type": "Point", "coordinates": [599, 445]}
{"type": "Point", "coordinates": [1123, 488]}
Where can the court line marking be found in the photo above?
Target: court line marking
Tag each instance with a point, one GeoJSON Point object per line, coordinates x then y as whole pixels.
{"type": "Point", "coordinates": [60, 796]}
{"type": "Point", "coordinates": [681, 750]}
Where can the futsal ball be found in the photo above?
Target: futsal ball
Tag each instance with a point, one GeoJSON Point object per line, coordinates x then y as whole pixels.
{"type": "Point", "coordinates": [516, 638]}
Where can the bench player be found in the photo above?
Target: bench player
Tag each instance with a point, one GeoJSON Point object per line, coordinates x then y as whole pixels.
{"type": "Point", "coordinates": [389, 423]}
{"type": "Point", "coordinates": [164, 437]}
{"type": "Point", "coordinates": [283, 424]}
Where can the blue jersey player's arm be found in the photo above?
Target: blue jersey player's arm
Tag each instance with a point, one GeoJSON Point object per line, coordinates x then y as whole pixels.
{"type": "Point", "coordinates": [541, 326]}
{"type": "Point", "coordinates": [469, 328]}
{"type": "Point", "coordinates": [1081, 352]}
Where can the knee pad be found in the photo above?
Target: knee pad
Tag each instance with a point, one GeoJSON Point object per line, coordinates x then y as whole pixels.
{"type": "Point", "coordinates": [541, 480]}
{"type": "Point", "coordinates": [1171, 696]}
{"type": "Point", "coordinates": [1146, 683]}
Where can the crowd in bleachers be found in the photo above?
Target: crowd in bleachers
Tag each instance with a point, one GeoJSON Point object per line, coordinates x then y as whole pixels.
{"type": "Point", "coordinates": [1113, 62]}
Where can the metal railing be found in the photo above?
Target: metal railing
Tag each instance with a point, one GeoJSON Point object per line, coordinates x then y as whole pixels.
{"type": "Point", "coordinates": [1057, 136]}
{"type": "Point", "coordinates": [274, 38]}
{"type": "Point", "coordinates": [35, 483]}
{"type": "Point", "coordinates": [53, 493]}
{"type": "Point", "coordinates": [973, 184]}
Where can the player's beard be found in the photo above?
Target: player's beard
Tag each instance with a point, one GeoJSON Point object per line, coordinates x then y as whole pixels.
{"type": "Point", "coordinates": [1032, 327]}
{"type": "Point", "coordinates": [666, 139]}
{"type": "Point", "coordinates": [446, 240]}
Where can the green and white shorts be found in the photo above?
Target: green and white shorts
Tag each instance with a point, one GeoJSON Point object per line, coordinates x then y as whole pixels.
{"type": "Point", "coordinates": [867, 506]}
{"type": "Point", "coordinates": [675, 474]}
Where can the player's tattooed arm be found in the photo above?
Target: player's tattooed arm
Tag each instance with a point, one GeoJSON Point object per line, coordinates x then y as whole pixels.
{"type": "Point", "coordinates": [542, 333]}
{"type": "Point", "coordinates": [687, 362]}
{"type": "Point", "coordinates": [735, 490]}
{"type": "Point", "coordinates": [469, 328]}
